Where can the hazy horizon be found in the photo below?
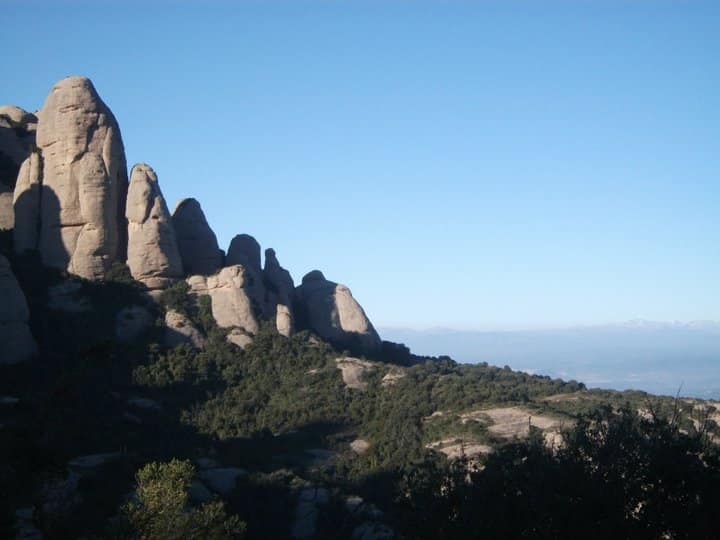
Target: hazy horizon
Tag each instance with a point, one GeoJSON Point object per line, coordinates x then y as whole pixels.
{"type": "Point", "coordinates": [661, 358]}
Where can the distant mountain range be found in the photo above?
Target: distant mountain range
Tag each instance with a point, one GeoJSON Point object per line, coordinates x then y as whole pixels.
{"type": "Point", "coordinates": [658, 357]}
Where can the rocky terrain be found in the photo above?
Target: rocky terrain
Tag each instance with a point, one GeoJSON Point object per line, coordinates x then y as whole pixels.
{"type": "Point", "coordinates": [64, 171]}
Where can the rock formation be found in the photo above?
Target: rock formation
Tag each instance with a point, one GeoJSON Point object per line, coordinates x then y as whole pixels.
{"type": "Point", "coordinates": [83, 182]}
{"type": "Point", "coordinates": [197, 243]}
{"type": "Point", "coordinates": [179, 329]}
{"type": "Point", "coordinates": [284, 320]}
{"type": "Point", "coordinates": [16, 342]}
{"type": "Point", "coordinates": [330, 310]}
{"type": "Point", "coordinates": [231, 300]}
{"type": "Point", "coordinates": [153, 255]}
{"type": "Point", "coordinates": [278, 279]}
{"type": "Point", "coordinates": [17, 138]}
{"type": "Point", "coordinates": [280, 292]}
{"type": "Point", "coordinates": [26, 203]}
{"type": "Point", "coordinates": [244, 250]}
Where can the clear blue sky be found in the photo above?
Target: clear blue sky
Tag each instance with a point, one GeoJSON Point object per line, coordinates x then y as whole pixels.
{"type": "Point", "coordinates": [466, 164]}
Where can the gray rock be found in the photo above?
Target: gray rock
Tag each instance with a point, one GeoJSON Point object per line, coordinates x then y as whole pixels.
{"type": "Point", "coordinates": [19, 116]}
{"type": "Point", "coordinates": [239, 338]}
{"type": "Point", "coordinates": [230, 292]}
{"type": "Point", "coordinates": [84, 181]}
{"type": "Point", "coordinates": [280, 294]}
{"type": "Point", "coordinates": [131, 322]}
{"type": "Point", "coordinates": [196, 241]}
{"type": "Point", "coordinates": [284, 321]}
{"type": "Point", "coordinates": [279, 280]}
{"type": "Point", "coordinates": [179, 329]}
{"type": "Point", "coordinates": [26, 204]}
{"type": "Point", "coordinates": [244, 250]}
{"type": "Point", "coordinates": [331, 311]}
{"type": "Point", "coordinates": [223, 480]}
{"type": "Point", "coordinates": [16, 341]}
{"type": "Point", "coordinates": [153, 255]}
{"type": "Point", "coordinates": [17, 137]}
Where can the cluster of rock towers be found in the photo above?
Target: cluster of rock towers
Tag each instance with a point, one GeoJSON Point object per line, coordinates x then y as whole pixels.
{"type": "Point", "coordinates": [64, 192]}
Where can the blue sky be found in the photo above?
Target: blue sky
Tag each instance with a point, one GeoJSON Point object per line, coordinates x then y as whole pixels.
{"type": "Point", "coordinates": [463, 164]}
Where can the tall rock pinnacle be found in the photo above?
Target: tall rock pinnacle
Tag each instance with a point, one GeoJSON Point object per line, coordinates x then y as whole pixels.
{"type": "Point", "coordinates": [197, 242]}
{"type": "Point", "coordinates": [83, 182]}
{"type": "Point", "coordinates": [153, 255]}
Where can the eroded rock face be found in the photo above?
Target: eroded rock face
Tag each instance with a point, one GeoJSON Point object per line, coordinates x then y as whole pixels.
{"type": "Point", "coordinates": [330, 310]}
{"type": "Point", "coordinates": [83, 182]}
{"type": "Point", "coordinates": [17, 137]}
{"type": "Point", "coordinates": [230, 296]}
{"type": "Point", "coordinates": [26, 203]}
{"type": "Point", "coordinates": [196, 241]}
{"type": "Point", "coordinates": [16, 342]}
{"type": "Point", "coordinates": [244, 250]}
{"type": "Point", "coordinates": [280, 293]}
{"type": "Point", "coordinates": [284, 321]}
{"type": "Point", "coordinates": [278, 279]}
{"type": "Point", "coordinates": [153, 255]}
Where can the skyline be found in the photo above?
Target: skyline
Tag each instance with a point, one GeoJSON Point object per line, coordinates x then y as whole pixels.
{"type": "Point", "coordinates": [461, 166]}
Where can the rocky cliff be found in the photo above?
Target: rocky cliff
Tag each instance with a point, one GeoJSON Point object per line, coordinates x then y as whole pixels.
{"type": "Point", "coordinates": [65, 194]}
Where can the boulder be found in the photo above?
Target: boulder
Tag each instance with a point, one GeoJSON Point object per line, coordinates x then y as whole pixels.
{"type": "Point", "coordinates": [153, 255]}
{"type": "Point", "coordinates": [230, 295]}
{"type": "Point", "coordinates": [84, 182]}
{"type": "Point", "coordinates": [16, 341]}
{"type": "Point", "coordinates": [196, 241]}
{"type": "Point", "coordinates": [239, 338]}
{"type": "Point", "coordinates": [331, 311]}
{"type": "Point", "coordinates": [179, 329]}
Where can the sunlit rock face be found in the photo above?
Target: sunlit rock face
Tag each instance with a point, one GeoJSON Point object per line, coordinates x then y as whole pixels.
{"type": "Point", "coordinates": [79, 177]}
{"type": "Point", "coordinates": [329, 309]}
{"type": "Point", "coordinates": [230, 295]}
{"type": "Point", "coordinates": [16, 341]}
{"type": "Point", "coordinates": [196, 241]}
{"type": "Point", "coordinates": [153, 255]}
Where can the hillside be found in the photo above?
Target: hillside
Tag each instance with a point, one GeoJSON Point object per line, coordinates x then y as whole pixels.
{"type": "Point", "coordinates": [153, 385]}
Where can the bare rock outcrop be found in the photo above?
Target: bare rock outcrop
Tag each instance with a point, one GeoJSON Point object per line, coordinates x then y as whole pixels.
{"type": "Point", "coordinates": [244, 250]}
{"type": "Point", "coordinates": [196, 241]}
{"type": "Point", "coordinates": [153, 255]}
{"type": "Point", "coordinates": [83, 182]}
{"type": "Point", "coordinates": [179, 329]}
{"type": "Point", "coordinates": [17, 138]}
{"type": "Point", "coordinates": [280, 293]}
{"type": "Point", "coordinates": [16, 341]}
{"type": "Point", "coordinates": [284, 320]}
{"type": "Point", "coordinates": [277, 278]}
{"type": "Point", "coordinates": [230, 296]}
{"type": "Point", "coordinates": [330, 310]}
{"type": "Point", "coordinates": [26, 204]}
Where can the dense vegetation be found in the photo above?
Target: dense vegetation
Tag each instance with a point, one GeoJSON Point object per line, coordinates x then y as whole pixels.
{"type": "Point", "coordinates": [630, 466]}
